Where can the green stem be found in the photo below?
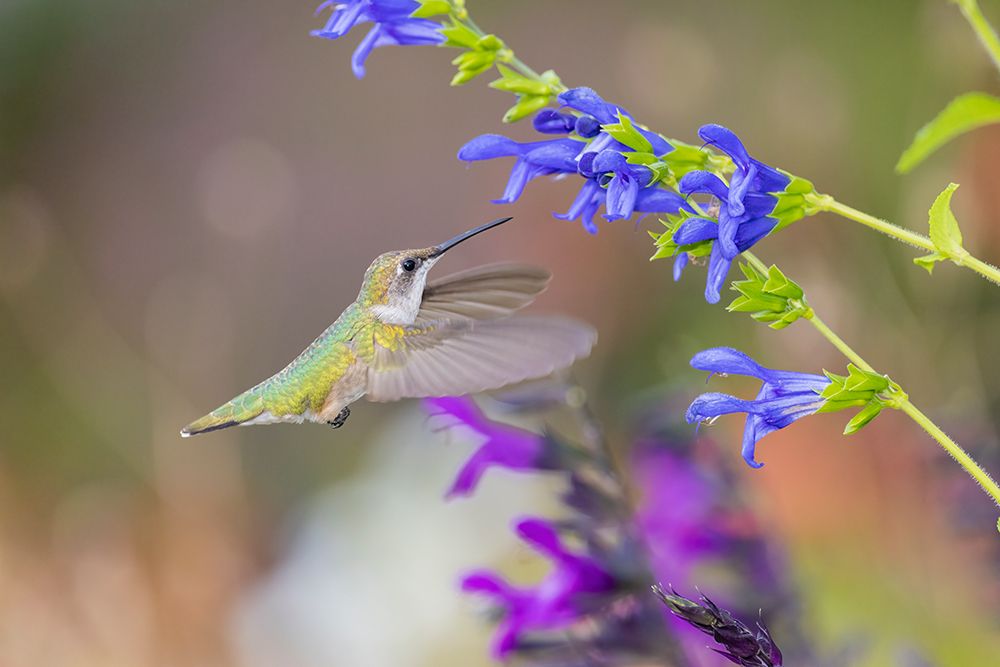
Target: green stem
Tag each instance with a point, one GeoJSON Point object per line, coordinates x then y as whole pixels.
{"type": "Point", "coordinates": [984, 31]}
{"type": "Point", "coordinates": [905, 235]}
{"type": "Point", "coordinates": [950, 446]}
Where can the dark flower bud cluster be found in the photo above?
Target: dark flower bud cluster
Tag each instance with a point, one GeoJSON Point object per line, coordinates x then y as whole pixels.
{"type": "Point", "coordinates": [740, 644]}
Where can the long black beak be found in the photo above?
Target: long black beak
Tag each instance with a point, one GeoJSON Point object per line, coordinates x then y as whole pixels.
{"type": "Point", "coordinates": [455, 240]}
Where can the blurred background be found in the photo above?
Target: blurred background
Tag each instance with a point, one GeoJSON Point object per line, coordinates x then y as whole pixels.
{"type": "Point", "coordinates": [190, 192]}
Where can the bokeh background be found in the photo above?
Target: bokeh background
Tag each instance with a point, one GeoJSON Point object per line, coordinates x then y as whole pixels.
{"type": "Point", "coordinates": [190, 192]}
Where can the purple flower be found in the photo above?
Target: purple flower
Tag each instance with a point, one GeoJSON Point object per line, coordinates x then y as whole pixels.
{"type": "Point", "coordinates": [504, 446]}
{"type": "Point", "coordinates": [784, 397]}
{"type": "Point", "coordinates": [534, 159]}
{"type": "Point", "coordinates": [745, 206]}
{"type": "Point", "coordinates": [562, 598]}
{"type": "Point", "coordinates": [610, 181]}
{"type": "Point", "coordinates": [393, 26]}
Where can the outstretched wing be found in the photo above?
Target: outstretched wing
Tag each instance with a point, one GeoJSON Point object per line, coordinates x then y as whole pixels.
{"type": "Point", "coordinates": [465, 356]}
{"type": "Point", "coordinates": [483, 293]}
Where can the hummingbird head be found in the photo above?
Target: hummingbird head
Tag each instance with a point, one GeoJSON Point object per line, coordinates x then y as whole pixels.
{"type": "Point", "coordinates": [394, 283]}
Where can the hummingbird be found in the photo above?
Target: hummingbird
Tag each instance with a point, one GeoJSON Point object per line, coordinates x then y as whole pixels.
{"type": "Point", "coordinates": [405, 337]}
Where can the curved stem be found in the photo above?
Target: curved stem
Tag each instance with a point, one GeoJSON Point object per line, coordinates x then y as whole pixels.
{"type": "Point", "coordinates": [984, 31]}
{"type": "Point", "coordinates": [956, 452]}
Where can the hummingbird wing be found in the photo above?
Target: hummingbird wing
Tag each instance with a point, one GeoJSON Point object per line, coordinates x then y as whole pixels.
{"type": "Point", "coordinates": [482, 293]}
{"type": "Point", "coordinates": [464, 356]}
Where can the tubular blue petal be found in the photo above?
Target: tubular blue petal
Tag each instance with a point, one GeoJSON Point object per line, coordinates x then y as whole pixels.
{"type": "Point", "coordinates": [660, 145]}
{"type": "Point", "coordinates": [586, 100]}
{"type": "Point", "coordinates": [550, 121]}
{"type": "Point", "coordinates": [658, 200]}
{"type": "Point", "coordinates": [364, 49]}
{"type": "Point", "coordinates": [729, 361]}
{"type": "Point", "coordinates": [609, 160]}
{"type": "Point", "coordinates": [696, 230]}
{"type": "Point", "coordinates": [487, 147]}
{"type": "Point", "coordinates": [621, 194]}
{"type": "Point", "coordinates": [752, 231]}
{"type": "Point", "coordinates": [557, 155]}
{"type": "Point", "coordinates": [704, 182]}
{"type": "Point", "coordinates": [727, 234]}
{"type": "Point", "coordinates": [519, 177]}
{"type": "Point", "coordinates": [754, 430]}
{"type": "Point", "coordinates": [585, 205]}
{"type": "Point", "coordinates": [718, 269]}
{"type": "Point", "coordinates": [680, 262]}
{"type": "Point", "coordinates": [415, 32]}
{"type": "Point", "coordinates": [714, 404]}
{"type": "Point", "coordinates": [726, 141]}
{"type": "Point", "coordinates": [587, 127]}
{"type": "Point", "coordinates": [739, 186]}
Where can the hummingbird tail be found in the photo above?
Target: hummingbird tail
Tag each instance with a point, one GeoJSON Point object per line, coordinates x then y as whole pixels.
{"type": "Point", "coordinates": [241, 409]}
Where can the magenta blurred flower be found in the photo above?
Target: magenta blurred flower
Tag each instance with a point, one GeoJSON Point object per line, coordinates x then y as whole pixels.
{"type": "Point", "coordinates": [560, 600]}
{"type": "Point", "coordinates": [504, 446]}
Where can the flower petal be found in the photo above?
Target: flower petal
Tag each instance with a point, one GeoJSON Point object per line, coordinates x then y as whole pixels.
{"type": "Point", "coordinates": [696, 230]}
{"type": "Point", "coordinates": [704, 182]}
{"type": "Point", "coordinates": [729, 361]}
{"type": "Point", "coordinates": [726, 141]}
{"type": "Point", "coordinates": [714, 404]}
{"type": "Point", "coordinates": [587, 100]}
{"type": "Point", "coordinates": [487, 147]}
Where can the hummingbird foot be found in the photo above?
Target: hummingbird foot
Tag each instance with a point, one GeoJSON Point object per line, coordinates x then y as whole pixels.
{"type": "Point", "coordinates": [341, 418]}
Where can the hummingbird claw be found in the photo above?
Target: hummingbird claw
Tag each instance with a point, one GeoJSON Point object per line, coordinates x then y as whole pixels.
{"type": "Point", "coordinates": [341, 418]}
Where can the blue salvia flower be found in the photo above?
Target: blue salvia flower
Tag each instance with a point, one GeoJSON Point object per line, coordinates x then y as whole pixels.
{"type": "Point", "coordinates": [393, 26]}
{"type": "Point", "coordinates": [610, 181]}
{"type": "Point", "coordinates": [745, 205]}
{"type": "Point", "coordinates": [534, 159]}
{"type": "Point", "coordinates": [784, 397]}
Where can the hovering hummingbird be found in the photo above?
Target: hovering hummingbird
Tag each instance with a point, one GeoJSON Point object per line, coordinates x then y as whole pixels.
{"type": "Point", "coordinates": [406, 338]}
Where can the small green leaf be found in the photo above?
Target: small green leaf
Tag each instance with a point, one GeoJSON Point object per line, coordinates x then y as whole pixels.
{"type": "Point", "coordinates": [625, 132]}
{"type": "Point", "coordinates": [429, 8]}
{"type": "Point", "coordinates": [526, 105]}
{"type": "Point", "coordinates": [964, 113]}
{"type": "Point", "coordinates": [945, 233]}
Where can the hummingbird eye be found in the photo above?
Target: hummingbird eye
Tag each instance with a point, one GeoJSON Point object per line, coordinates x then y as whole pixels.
{"type": "Point", "coordinates": [409, 264]}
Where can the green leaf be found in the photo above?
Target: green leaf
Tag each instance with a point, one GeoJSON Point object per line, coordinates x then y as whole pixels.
{"type": "Point", "coordinates": [526, 105]}
{"type": "Point", "coordinates": [945, 233]}
{"type": "Point", "coordinates": [964, 113]}
{"type": "Point", "coordinates": [429, 8]}
{"type": "Point", "coordinates": [625, 132]}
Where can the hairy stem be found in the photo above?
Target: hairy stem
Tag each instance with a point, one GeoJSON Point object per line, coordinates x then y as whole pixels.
{"type": "Point", "coordinates": [956, 452]}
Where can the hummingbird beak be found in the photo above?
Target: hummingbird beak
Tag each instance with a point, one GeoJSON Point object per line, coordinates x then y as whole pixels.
{"type": "Point", "coordinates": [441, 248]}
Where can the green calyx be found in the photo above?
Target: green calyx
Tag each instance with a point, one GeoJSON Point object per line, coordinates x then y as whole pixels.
{"type": "Point", "coordinates": [945, 234]}
{"type": "Point", "coordinates": [429, 8]}
{"type": "Point", "coordinates": [772, 298]}
{"type": "Point", "coordinates": [533, 93]}
{"type": "Point", "coordinates": [868, 390]}
{"type": "Point", "coordinates": [798, 200]}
